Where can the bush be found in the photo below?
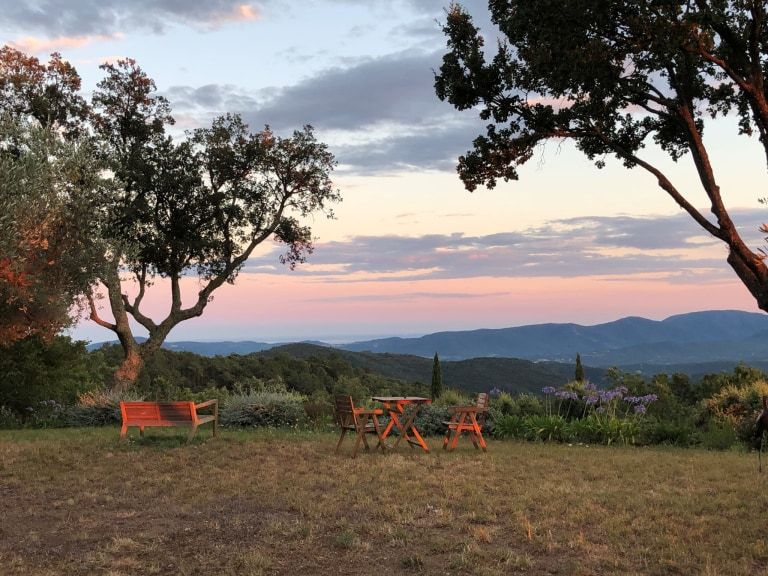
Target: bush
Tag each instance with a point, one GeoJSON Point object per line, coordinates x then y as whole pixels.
{"type": "Point", "coordinates": [452, 397]}
{"type": "Point", "coordinates": [98, 408]}
{"type": "Point", "coordinates": [9, 419]}
{"type": "Point", "coordinates": [33, 371]}
{"type": "Point", "coordinates": [255, 408]}
{"type": "Point", "coordinates": [737, 406]}
{"type": "Point", "coordinates": [430, 420]}
{"type": "Point", "coordinates": [718, 436]}
{"type": "Point", "coordinates": [546, 428]}
{"type": "Point", "coordinates": [520, 405]}
{"type": "Point", "coordinates": [674, 432]}
{"type": "Point", "coordinates": [507, 426]}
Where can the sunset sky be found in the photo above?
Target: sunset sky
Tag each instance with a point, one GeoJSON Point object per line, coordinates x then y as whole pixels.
{"type": "Point", "coordinates": [410, 252]}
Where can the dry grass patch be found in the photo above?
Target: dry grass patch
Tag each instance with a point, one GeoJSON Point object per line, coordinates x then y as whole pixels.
{"type": "Point", "coordinates": [79, 502]}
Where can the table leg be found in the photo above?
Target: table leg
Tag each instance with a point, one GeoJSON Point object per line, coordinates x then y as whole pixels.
{"type": "Point", "coordinates": [409, 426]}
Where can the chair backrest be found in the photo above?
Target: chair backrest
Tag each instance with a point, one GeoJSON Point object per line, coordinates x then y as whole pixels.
{"type": "Point", "coordinates": [482, 400]}
{"type": "Point", "coordinates": [344, 411]}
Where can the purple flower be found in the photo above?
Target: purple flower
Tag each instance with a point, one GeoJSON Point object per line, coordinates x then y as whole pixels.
{"type": "Point", "coordinates": [566, 395]}
{"type": "Point", "coordinates": [589, 386]}
{"type": "Point", "coordinates": [600, 410]}
{"type": "Point", "coordinates": [548, 389]}
{"type": "Point", "coordinates": [632, 399]}
{"type": "Point", "coordinates": [590, 400]}
{"type": "Point", "coordinates": [640, 409]}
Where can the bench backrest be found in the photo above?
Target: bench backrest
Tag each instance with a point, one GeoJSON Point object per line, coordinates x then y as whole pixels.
{"type": "Point", "coordinates": [158, 411]}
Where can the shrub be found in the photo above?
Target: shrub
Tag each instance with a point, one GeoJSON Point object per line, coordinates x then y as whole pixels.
{"type": "Point", "coordinates": [46, 414]}
{"type": "Point", "coordinates": [546, 428]}
{"type": "Point", "coordinates": [9, 419]}
{"type": "Point", "coordinates": [737, 405]}
{"type": "Point", "coordinates": [430, 420]}
{"type": "Point", "coordinates": [34, 371]}
{"type": "Point", "coordinates": [98, 408]}
{"type": "Point", "coordinates": [507, 426]}
{"type": "Point", "coordinates": [718, 436]}
{"type": "Point", "coordinates": [520, 405]}
{"type": "Point", "coordinates": [453, 397]}
{"type": "Point", "coordinates": [675, 432]}
{"type": "Point", "coordinates": [254, 408]}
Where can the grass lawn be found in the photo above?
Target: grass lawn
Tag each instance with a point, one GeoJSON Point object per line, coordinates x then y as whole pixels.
{"type": "Point", "coordinates": [79, 502]}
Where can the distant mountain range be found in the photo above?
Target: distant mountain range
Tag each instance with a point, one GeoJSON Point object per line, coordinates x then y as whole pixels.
{"type": "Point", "coordinates": [715, 337]}
{"type": "Point", "coordinates": [727, 335]}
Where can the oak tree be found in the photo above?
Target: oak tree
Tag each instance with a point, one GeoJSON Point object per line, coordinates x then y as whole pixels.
{"type": "Point", "coordinates": [615, 77]}
{"type": "Point", "coordinates": [197, 206]}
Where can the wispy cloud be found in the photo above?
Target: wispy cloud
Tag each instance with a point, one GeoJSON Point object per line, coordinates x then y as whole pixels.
{"type": "Point", "coordinates": [33, 45]}
{"type": "Point", "coordinates": [620, 246]}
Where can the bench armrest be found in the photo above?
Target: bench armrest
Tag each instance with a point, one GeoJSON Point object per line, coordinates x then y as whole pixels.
{"type": "Point", "coordinates": [206, 404]}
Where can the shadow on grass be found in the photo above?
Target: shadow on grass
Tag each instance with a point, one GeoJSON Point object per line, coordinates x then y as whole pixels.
{"type": "Point", "coordinates": [164, 439]}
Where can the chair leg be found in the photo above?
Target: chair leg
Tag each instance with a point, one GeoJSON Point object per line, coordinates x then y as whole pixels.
{"type": "Point", "coordinates": [341, 439]}
{"type": "Point", "coordinates": [364, 425]}
{"type": "Point", "coordinates": [378, 432]}
{"type": "Point", "coordinates": [360, 437]}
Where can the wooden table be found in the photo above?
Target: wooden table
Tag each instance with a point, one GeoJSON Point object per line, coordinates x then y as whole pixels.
{"type": "Point", "coordinates": [396, 407]}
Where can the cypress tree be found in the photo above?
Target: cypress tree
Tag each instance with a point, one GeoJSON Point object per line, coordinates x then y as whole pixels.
{"type": "Point", "coordinates": [437, 379]}
{"type": "Point", "coordinates": [579, 369]}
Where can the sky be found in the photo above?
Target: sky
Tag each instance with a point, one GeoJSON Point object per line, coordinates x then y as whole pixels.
{"type": "Point", "coordinates": [410, 251]}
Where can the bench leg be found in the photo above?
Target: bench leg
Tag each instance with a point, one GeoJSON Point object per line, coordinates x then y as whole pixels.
{"type": "Point", "coordinates": [191, 434]}
{"type": "Point", "coordinates": [141, 431]}
{"type": "Point", "coordinates": [123, 431]}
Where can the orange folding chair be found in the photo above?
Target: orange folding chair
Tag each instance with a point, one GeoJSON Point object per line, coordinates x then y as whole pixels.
{"type": "Point", "coordinates": [467, 419]}
{"type": "Point", "coordinates": [357, 420]}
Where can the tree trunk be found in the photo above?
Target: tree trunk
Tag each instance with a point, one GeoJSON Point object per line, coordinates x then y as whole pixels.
{"type": "Point", "coordinates": [128, 372]}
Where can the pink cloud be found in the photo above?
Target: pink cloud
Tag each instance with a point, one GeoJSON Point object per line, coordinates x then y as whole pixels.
{"type": "Point", "coordinates": [32, 45]}
{"type": "Point", "coordinates": [240, 13]}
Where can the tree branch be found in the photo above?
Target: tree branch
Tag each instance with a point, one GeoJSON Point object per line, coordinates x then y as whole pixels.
{"type": "Point", "coordinates": [95, 315]}
{"type": "Point", "coordinates": [664, 183]}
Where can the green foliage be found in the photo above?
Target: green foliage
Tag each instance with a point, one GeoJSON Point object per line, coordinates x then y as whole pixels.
{"type": "Point", "coordinates": [431, 418]}
{"type": "Point", "coordinates": [579, 372]}
{"type": "Point", "coordinates": [718, 436]}
{"type": "Point", "coordinates": [48, 186]}
{"type": "Point", "coordinates": [9, 419]}
{"type": "Point", "coordinates": [33, 371]}
{"type": "Point", "coordinates": [436, 388]}
{"type": "Point", "coordinates": [737, 406]}
{"type": "Point", "coordinates": [673, 432]}
{"type": "Point", "coordinates": [616, 78]}
{"type": "Point", "coordinates": [98, 408]}
{"type": "Point", "coordinates": [544, 428]}
{"type": "Point", "coordinates": [262, 408]}
{"type": "Point", "coordinates": [505, 426]}
{"type": "Point", "coordinates": [524, 404]}
{"type": "Point", "coordinates": [454, 397]}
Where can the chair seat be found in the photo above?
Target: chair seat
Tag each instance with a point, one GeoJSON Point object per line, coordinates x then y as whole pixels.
{"type": "Point", "coordinates": [368, 427]}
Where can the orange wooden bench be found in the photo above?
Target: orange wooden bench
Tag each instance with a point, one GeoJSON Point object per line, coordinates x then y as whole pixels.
{"type": "Point", "coordinates": [183, 414]}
